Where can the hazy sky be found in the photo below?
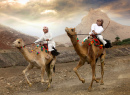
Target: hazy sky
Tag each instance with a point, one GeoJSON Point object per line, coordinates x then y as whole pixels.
{"type": "Point", "coordinates": [29, 16]}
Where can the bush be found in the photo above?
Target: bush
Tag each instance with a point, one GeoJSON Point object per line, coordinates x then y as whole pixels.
{"type": "Point", "coordinates": [123, 42]}
{"type": "Point", "coordinates": [126, 40]}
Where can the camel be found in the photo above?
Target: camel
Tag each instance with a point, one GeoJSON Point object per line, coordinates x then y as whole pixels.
{"type": "Point", "coordinates": [36, 60]}
{"type": "Point", "coordinates": [88, 54]}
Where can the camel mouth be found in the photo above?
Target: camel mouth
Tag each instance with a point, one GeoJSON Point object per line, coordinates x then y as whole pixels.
{"type": "Point", "coordinates": [66, 29]}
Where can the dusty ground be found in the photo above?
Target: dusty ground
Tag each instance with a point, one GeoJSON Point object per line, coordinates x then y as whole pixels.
{"type": "Point", "coordinates": [65, 82]}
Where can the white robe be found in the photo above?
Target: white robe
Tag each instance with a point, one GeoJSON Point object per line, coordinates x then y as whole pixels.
{"type": "Point", "coordinates": [98, 30]}
{"type": "Point", "coordinates": [44, 37]}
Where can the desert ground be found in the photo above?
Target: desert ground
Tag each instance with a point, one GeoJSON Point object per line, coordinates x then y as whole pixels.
{"type": "Point", "coordinates": [65, 81]}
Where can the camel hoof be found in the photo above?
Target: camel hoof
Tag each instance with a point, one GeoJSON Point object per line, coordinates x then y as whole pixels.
{"type": "Point", "coordinates": [30, 84]}
{"type": "Point", "coordinates": [83, 80]}
{"type": "Point", "coordinates": [101, 83]}
{"type": "Point", "coordinates": [89, 89]}
{"type": "Point", "coordinates": [97, 81]}
{"type": "Point", "coordinates": [44, 82]}
{"type": "Point", "coordinates": [46, 89]}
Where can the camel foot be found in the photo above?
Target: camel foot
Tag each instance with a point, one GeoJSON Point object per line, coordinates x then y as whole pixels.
{"type": "Point", "coordinates": [44, 81]}
{"type": "Point", "coordinates": [89, 89]}
{"type": "Point", "coordinates": [101, 83]}
{"type": "Point", "coordinates": [30, 84]}
{"type": "Point", "coordinates": [97, 80]}
{"type": "Point", "coordinates": [47, 87]}
{"type": "Point", "coordinates": [83, 80]}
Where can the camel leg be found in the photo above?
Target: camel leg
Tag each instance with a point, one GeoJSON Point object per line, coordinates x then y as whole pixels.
{"type": "Point", "coordinates": [81, 63]}
{"type": "Point", "coordinates": [29, 67]}
{"type": "Point", "coordinates": [50, 72]}
{"type": "Point", "coordinates": [42, 73]}
{"type": "Point", "coordinates": [102, 68]}
{"type": "Point", "coordinates": [93, 75]}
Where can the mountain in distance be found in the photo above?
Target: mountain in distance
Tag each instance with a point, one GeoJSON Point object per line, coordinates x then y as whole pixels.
{"type": "Point", "coordinates": [9, 35]}
{"type": "Point", "coordinates": [113, 30]}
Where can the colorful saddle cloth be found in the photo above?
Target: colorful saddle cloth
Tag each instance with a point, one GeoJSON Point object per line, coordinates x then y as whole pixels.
{"type": "Point", "coordinates": [96, 42]}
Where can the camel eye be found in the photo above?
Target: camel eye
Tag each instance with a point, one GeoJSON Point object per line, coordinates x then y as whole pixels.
{"type": "Point", "coordinates": [72, 29]}
{"type": "Point", "coordinates": [19, 42]}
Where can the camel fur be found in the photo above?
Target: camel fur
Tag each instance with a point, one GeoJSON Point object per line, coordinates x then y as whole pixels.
{"type": "Point", "coordinates": [36, 60]}
{"type": "Point", "coordinates": [88, 54]}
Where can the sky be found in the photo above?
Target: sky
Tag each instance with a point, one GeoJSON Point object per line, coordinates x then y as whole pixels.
{"type": "Point", "coordinates": [29, 16]}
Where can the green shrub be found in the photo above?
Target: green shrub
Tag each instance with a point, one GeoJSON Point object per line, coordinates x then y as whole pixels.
{"type": "Point", "coordinates": [126, 40]}
{"type": "Point", "coordinates": [123, 42]}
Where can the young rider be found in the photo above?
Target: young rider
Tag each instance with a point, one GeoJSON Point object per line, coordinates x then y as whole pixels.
{"type": "Point", "coordinates": [46, 38]}
{"type": "Point", "coordinates": [97, 29]}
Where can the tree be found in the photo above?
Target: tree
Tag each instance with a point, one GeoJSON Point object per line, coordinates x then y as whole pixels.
{"type": "Point", "coordinates": [117, 38]}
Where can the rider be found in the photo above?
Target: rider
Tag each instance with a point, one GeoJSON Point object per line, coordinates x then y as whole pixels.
{"type": "Point", "coordinates": [47, 39]}
{"type": "Point", "coordinates": [97, 29]}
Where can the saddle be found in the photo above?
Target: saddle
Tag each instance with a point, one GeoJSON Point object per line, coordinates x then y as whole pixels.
{"type": "Point", "coordinates": [54, 52]}
{"type": "Point", "coordinates": [46, 46]}
{"type": "Point", "coordinates": [96, 42]}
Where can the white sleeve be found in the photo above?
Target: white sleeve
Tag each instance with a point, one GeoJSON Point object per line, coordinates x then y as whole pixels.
{"type": "Point", "coordinates": [93, 27]}
{"type": "Point", "coordinates": [40, 39]}
{"type": "Point", "coordinates": [101, 31]}
{"type": "Point", "coordinates": [50, 38]}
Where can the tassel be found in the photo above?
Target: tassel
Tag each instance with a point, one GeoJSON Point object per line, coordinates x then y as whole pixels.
{"type": "Point", "coordinates": [38, 53]}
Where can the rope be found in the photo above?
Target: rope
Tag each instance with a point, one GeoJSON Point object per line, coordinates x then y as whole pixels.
{"type": "Point", "coordinates": [106, 27]}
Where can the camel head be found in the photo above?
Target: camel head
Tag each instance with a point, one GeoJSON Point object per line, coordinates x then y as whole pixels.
{"type": "Point", "coordinates": [70, 31]}
{"type": "Point", "coordinates": [18, 43]}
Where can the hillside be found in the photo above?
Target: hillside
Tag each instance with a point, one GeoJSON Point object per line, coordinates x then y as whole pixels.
{"type": "Point", "coordinates": [112, 31]}
{"type": "Point", "coordinates": [8, 35]}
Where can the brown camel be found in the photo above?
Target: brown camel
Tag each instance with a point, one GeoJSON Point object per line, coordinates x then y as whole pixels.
{"type": "Point", "coordinates": [88, 54]}
{"type": "Point", "coordinates": [37, 60]}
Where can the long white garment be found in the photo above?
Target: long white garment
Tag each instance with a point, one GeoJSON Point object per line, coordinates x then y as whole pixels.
{"type": "Point", "coordinates": [98, 30]}
{"type": "Point", "coordinates": [44, 37]}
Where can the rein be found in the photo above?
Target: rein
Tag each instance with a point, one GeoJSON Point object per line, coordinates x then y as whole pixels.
{"type": "Point", "coordinates": [106, 27]}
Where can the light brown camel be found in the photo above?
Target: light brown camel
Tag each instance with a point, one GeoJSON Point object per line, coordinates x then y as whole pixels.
{"type": "Point", "coordinates": [37, 60]}
{"type": "Point", "coordinates": [87, 54]}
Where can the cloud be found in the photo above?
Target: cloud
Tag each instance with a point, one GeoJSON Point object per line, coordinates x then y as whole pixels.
{"type": "Point", "coordinates": [57, 14]}
{"type": "Point", "coordinates": [122, 8]}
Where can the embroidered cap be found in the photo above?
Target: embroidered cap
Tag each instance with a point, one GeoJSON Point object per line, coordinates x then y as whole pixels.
{"type": "Point", "coordinates": [45, 27]}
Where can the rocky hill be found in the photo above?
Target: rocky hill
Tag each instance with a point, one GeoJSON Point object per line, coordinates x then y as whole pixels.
{"type": "Point", "coordinates": [114, 29]}
{"type": "Point", "coordinates": [8, 35]}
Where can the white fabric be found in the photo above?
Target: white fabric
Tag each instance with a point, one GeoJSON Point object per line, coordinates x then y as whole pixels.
{"type": "Point", "coordinates": [100, 37]}
{"type": "Point", "coordinates": [96, 28]}
{"type": "Point", "coordinates": [44, 37]}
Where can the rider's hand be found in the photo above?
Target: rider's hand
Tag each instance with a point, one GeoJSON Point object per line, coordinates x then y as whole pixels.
{"type": "Point", "coordinates": [47, 39]}
{"type": "Point", "coordinates": [95, 33]}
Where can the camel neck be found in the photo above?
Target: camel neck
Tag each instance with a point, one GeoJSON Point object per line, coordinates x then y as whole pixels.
{"type": "Point", "coordinates": [25, 53]}
{"type": "Point", "coordinates": [76, 45]}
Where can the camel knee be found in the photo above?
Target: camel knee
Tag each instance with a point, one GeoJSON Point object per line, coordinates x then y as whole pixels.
{"type": "Point", "coordinates": [75, 69]}
{"type": "Point", "coordinates": [24, 72]}
{"type": "Point", "coordinates": [102, 60]}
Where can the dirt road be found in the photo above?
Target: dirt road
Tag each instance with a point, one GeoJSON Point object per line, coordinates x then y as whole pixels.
{"type": "Point", "coordinates": [65, 82]}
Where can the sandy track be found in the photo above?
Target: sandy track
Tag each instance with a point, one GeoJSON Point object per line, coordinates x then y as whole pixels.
{"type": "Point", "coordinates": [65, 82]}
